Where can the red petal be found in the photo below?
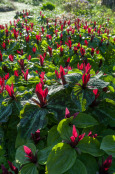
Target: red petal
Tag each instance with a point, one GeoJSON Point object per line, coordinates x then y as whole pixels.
{"type": "Point", "coordinates": [74, 133]}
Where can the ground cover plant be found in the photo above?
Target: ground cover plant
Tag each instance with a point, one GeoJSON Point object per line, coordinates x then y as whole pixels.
{"type": "Point", "coordinates": [6, 5]}
{"type": "Point", "coordinates": [57, 96]}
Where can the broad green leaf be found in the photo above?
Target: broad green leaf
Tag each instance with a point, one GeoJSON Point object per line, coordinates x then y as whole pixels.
{"type": "Point", "coordinates": [1, 134]}
{"type": "Point", "coordinates": [55, 89]}
{"type": "Point", "coordinates": [77, 168]}
{"type": "Point", "coordinates": [20, 154]}
{"type": "Point", "coordinates": [43, 155]}
{"type": "Point", "coordinates": [11, 80]}
{"type": "Point", "coordinates": [82, 98]}
{"type": "Point", "coordinates": [90, 163]}
{"type": "Point", "coordinates": [34, 118]}
{"type": "Point", "coordinates": [97, 83]}
{"type": "Point", "coordinates": [108, 145]}
{"type": "Point", "coordinates": [19, 140]}
{"type": "Point", "coordinates": [91, 146]}
{"type": "Point", "coordinates": [73, 78]}
{"type": "Point", "coordinates": [84, 120]}
{"type": "Point", "coordinates": [29, 169]}
{"type": "Point", "coordinates": [65, 128]}
{"type": "Point", "coordinates": [5, 112]}
{"type": "Point", "coordinates": [53, 136]}
{"type": "Point", "coordinates": [61, 158]}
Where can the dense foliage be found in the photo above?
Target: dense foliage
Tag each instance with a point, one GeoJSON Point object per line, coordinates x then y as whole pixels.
{"type": "Point", "coordinates": [57, 96]}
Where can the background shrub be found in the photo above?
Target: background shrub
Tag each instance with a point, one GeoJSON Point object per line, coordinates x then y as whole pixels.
{"type": "Point", "coordinates": [48, 6]}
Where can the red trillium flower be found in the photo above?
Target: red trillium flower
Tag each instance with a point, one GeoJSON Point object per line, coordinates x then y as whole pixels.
{"type": "Point", "coordinates": [32, 24]}
{"type": "Point", "coordinates": [2, 85]}
{"type": "Point", "coordinates": [42, 78]}
{"type": "Point", "coordinates": [29, 57]}
{"type": "Point", "coordinates": [61, 36]}
{"type": "Point", "coordinates": [43, 30]}
{"type": "Point", "coordinates": [97, 51]}
{"type": "Point", "coordinates": [82, 50]}
{"type": "Point", "coordinates": [30, 155]}
{"type": "Point", "coordinates": [34, 50]}
{"type": "Point", "coordinates": [69, 43]}
{"type": "Point", "coordinates": [25, 74]}
{"type": "Point", "coordinates": [27, 38]}
{"type": "Point", "coordinates": [67, 113]}
{"type": "Point", "coordinates": [6, 76]}
{"type": "Point", "coordinates": [92, 51]}
{"type": "Point", "coordinates": [1, 57]}
{"type": "Point", "coordinates": [61, 51]}
{"type": "Point", "coordinates": [36, 136]}
{"type": "Point", "coordinates": [13, 168]}
{"type": "Point", "coordinates": [75, 141]}
{"type": "Point", "coordinates": [21, 62]}
{"type": "Point", "coordinates": [20, 52]}
{"type": "Point", "coordinates": [75, 49]}
{"type": "Point", "coordinates": [50, 51]}
{"type": "Point", "coordinates": [11, 57]}
{"type": "Point", "coordinates": [16, 73]}
{"type": "Point", "coordinates": [90, 134]}
{"type": "Point", "coordinates": [41, 60]}
{"type": "Point", "coordinates": [6, 31]}
{"type": "Point", "coordinates": [95, 91]}
{"type": "Point", "coordinates": [49, 37]}
{"type": "Point", "coordinates": [85, 79]}
{"type": "Point", "coordinates": [38, 38]}
{"type": "Point", "coordinates": [4, 45]}
{"type": "Point", "coordinates": [86, 43]}
{"type": "Point", "coordinates": [89, 31]}
{"type": "Point", "coordinates": [62, 27]}
{"type": "Point", "coordinates": [95, 103]}
{"type": "Point", "coordinates": [67, 62]}
{"type": "Point", "coordinates": [105, 165]}
{"type": "Point", "coordinates": [10, 90]}
{"type": "Point", "coordinates": [15, 33]}
{"type": "Point", "coordinates": [80, 67]}
{"type": "Point", "coordinates": [78, 46]}
{"type": "Point", "coordinates": [87, 68]}
{"type": "Point", "coordinates": [41, 95]}
{"type": "Point", "coordinates": [61, 75]}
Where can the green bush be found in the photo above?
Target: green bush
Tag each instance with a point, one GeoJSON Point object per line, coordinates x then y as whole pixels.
{"type": "Point", "coordinates": [48, 6]}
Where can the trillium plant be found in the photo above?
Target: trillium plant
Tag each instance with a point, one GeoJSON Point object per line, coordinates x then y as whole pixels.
{"type": "Point", "coordinates": [57, 95]}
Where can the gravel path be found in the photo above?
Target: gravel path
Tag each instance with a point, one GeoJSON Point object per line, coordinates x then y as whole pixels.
{"type": "Point", "coordinates": [5, 17]}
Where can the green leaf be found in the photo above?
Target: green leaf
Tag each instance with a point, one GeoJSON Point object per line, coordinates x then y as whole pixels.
{"type": "Point", "coordinates": [29, 169]}
{"type": "Point", "coordinates": [91, 146]}
{"type": "Point", "coordinates": [61, 158]}
{"type": "Point", "coordinates": [65, 129]}
{"type": "Point", "coordinates": [53, 136]}
{"type": "Point", "coordinates": [84, 120]}
{"type": "Point", "coordinates": [19, 140]}
{"type": "Point", "coordinates": [77, 168]}
{"type": "Point", "coordinates": [55, 89]}
{"type": "Point", "coordinates": [34, 118]}
{"type": "Point", "coordinates": [5, 112]}
{"type": "Point", "coordinates": [97, 83]}
{"type": "Point", "coordinates": [90, 163]}
{"type": "Point", "coordinates": [108, 145]}
{"type": "Point", "coordinates": [11, 80]}
{"type": "Point", "coordinates": [20, 154]}
{"type": "Point", "coordinates": [43, 155]}
{"type": "Point", "coordinates": [73, 78]}
{"type": "Point", "coordinates": [82, 98]}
